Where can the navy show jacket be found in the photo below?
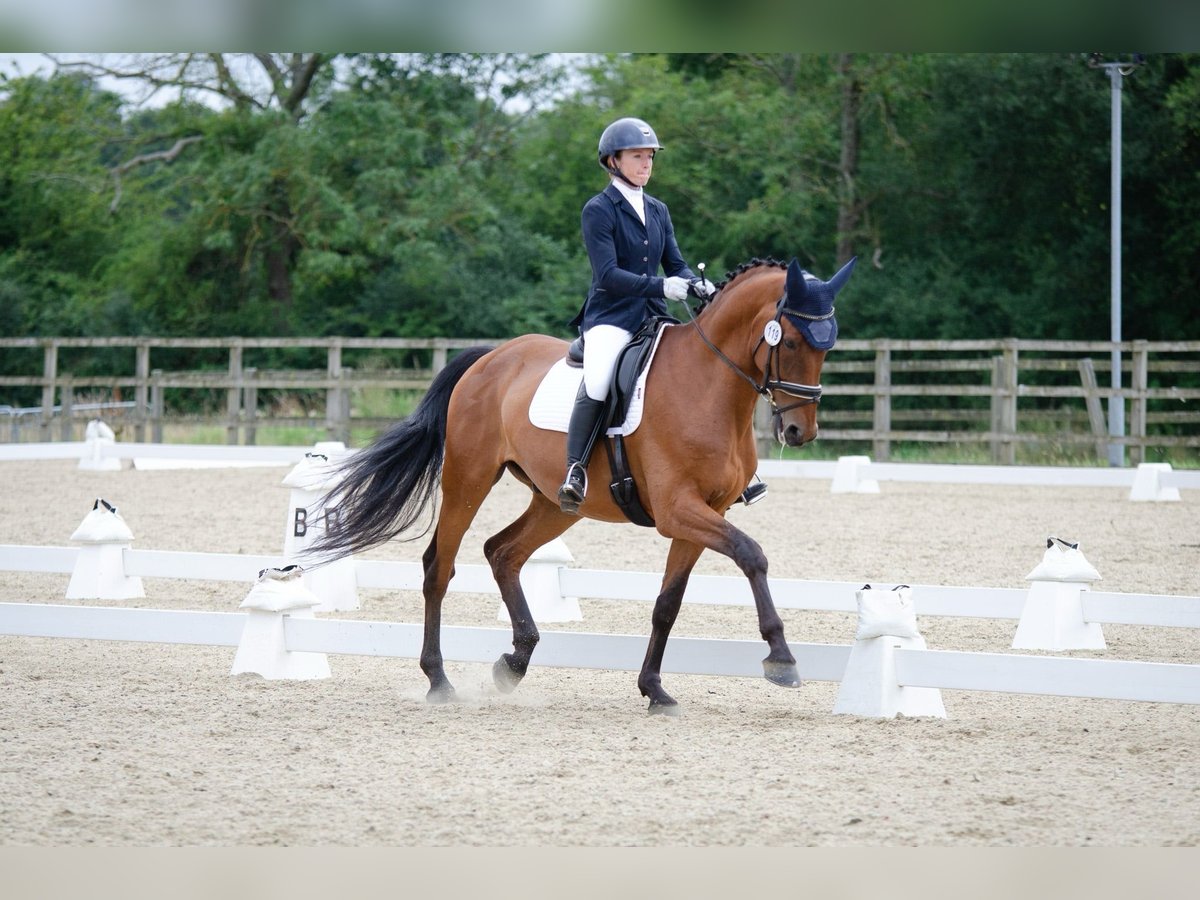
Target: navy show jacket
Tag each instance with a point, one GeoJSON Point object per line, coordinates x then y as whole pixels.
{"type": "Point", "coordinates": [626, 255]}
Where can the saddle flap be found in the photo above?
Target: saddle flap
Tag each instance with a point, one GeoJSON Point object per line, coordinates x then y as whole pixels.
{"type": "Point", "coordinates": [554, 398]}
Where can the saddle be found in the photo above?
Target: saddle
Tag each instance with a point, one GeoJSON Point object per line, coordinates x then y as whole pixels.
{"type": "Point", "coordinates": [630, 363]}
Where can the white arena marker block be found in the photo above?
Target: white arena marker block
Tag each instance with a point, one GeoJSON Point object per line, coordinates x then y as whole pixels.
{"type": "Point", "coordinates": [1052, 618]}
{"type": "Point", "coordinates": [869, 685]}
{"type": "Point", "coordinates": [335, 583]}
{"type": "Point", "coordinates": [96, 437]}
{"type": "Point", "coordinates": [887, 620]}
{"type": "Point", "coordinates": [1147, 483]}
{"type": "Point", "coordinates": [847, 478]}
{"type": "Point", "coordinates": [263, 648]}
{"type": "Point", "coordinates": [543, 590]}
{"type": "Point", "coordinates": [99, 572]}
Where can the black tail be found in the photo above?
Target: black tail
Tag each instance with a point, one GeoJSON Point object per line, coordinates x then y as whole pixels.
{"type": "Point", "coordinates": [383, 488]}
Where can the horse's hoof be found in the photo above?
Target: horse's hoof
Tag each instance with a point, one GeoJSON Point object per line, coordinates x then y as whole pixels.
{"type": "Point", "coordinates": [504, 675]}
{"type": "Point", "coordinates": [782, 674]}
{"type": "Point", "coordinates": [658, 708]}
{"type": "Point", "coordinates": [441, 694]}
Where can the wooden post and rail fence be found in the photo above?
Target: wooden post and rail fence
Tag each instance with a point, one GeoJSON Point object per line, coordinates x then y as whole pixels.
{"type": "Point", "coordinates": [1000, 394]}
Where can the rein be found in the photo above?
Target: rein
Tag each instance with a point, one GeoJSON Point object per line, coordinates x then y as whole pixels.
{"type": "Point", "coordinates": [806, 393]}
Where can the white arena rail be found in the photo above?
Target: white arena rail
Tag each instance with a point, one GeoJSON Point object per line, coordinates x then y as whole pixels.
{"type": "Point", "coordinates": [60, 450]}
{"type": "Point", "coordinates": [1102, 607]}
{"type": "Point", "coordinates": [991, 672]}
{"type": "Point", "coordinates": [1059, 476]}
{"type": "Point", "coordinates": [848, 473]}
{"type": "Point", "coordinates": [857, 474]}
{"type": "Point", "coordinates": [124, 450]}
{"type": "Point", "coordinates": [1049, 676]}
{"type": "Point", "coordinates": [714, 590]}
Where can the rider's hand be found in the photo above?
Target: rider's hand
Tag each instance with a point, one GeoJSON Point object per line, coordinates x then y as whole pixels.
{"type": "Point", "coordinates": [675, 288]}
{"type": "Point", "coordinates": [702, 287]}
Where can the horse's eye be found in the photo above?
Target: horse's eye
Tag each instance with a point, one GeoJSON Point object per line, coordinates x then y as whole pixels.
{"type": "Point", "coordinates": [789, 343]}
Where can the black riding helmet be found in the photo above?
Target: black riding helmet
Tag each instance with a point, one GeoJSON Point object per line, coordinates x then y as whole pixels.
{"type": "Point", "coordinates": [625, 134]}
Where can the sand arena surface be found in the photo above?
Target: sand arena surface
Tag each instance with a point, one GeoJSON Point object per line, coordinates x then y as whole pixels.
{"type": "Point", "coordinates": [141, 744]}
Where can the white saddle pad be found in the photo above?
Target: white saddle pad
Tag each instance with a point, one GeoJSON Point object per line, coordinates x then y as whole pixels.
{"type": "Point", "coordinates": [555, 397]}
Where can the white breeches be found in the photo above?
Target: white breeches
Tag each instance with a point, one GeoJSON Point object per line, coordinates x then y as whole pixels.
{"type": "Point", "coordinates": [601, 346]}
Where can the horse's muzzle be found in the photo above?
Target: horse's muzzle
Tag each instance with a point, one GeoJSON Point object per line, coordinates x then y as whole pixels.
{"type": "Point", "coordinates": [794, 435]}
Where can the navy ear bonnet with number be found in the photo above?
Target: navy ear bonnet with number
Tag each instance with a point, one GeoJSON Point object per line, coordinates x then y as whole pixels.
{"type": "Point", "coordinates": [808, 303]}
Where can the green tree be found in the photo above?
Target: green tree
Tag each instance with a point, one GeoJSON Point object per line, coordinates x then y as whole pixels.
{"type": "Point", "coordinates": [54, 229]}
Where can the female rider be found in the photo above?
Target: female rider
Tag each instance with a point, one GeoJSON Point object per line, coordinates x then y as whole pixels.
{"type": "Point", "coordinates": [628, 236]}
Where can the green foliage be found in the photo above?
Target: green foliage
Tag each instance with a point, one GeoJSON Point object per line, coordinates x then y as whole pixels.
{"type": "Point", "coordinates": [440, 194]}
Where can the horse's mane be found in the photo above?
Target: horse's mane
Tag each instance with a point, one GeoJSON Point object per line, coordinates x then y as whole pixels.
{"type": "Point", "coordinates": [733, 275]}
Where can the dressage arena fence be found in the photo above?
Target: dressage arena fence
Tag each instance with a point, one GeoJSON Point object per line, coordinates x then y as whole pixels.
{"type": "Point", "coordinates": [1001, 394]}
{"type": "Point", "coordinates": [848, 474]}
{"type": "Point", "coordinates": [895, 674]}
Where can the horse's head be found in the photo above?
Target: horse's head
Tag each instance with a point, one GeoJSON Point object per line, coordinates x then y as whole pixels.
{"type": "Point", "coordinates": [802, 330]}
{"type": "Point", "coordinates": [791, 315]}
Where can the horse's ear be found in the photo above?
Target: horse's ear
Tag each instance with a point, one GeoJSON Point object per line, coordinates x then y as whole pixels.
{"type": "Point", "coordinates": [838, 281]}
{"type": "Point", "coordinates": [796, 284]}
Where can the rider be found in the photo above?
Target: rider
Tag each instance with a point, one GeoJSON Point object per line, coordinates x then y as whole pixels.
{"type": "Point", "coordinates": [628, 236]}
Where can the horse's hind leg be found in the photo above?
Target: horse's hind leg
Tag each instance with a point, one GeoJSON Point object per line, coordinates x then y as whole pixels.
{"type": "Point", "coordinates": [432, 664]}
{"type": "Point", "coordinates": [461, 498]}
{"type": "Point", "coordinates": [507, 552]}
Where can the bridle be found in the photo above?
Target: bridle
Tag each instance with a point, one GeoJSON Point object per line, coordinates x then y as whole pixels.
{"type": "Point", "coordinates": [806, 394]}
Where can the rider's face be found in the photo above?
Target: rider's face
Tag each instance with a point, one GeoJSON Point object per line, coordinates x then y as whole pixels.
{"type": "Point", "coordinates": [636, 164]}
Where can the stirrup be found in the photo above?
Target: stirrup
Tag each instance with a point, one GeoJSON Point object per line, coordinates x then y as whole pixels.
{"type": "Point", "coordinates": [754, 492]}
{"type": "Point", "coordinates": [573, 492]}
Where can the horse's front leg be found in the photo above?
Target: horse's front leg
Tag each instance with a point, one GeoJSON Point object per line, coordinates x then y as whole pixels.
{"type": "Point", "coordinates": [701, 524]}
{"type": "Point", "coordinates": [680, 560]}
{"type": "Point", "coordinates": [779, 666]}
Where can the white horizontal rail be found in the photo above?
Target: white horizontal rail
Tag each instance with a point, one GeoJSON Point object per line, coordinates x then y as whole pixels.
{"type": "Point", "coordinates": [1049, 676]}
{"type": "Point", "coordinates": [829, 596]}
{"type": "Point", "coordinates": [222, 452]}
{"type": "Point", "coordinates": [56, 450]}
{"type": "Point", "coordinates": [949, 670]}
{"type": "Point", "coordinates": [1058, 476]}
{"type": "Point", "coordinates": [25, 558]}
{"type": "Point", "coordinates": [793, 468]}
{"type": "Point", "coordinates": [132, 450]}
{"type": "Point", "coordinates": [1180, 479]}
{"type": "Point", "coordinates": [943, 473]}
{"type": "Point", "coordinates": [557, 649]}
{"type": "Point", "coordinates": [197, 566]}
{"type": "Point", "coordinates": [109, 623]}
{"type": "Point", "coordinates": [1141, 609]}
{"type": "Point", "coordinates": [410, 576]}
{"type": "Point", "coordinates": [561, 649]}
{"type": "Point", "coordinates": [1162, 610]}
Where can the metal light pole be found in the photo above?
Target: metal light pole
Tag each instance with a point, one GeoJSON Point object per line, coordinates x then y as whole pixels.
{"type": "Point", "coordinates": [1116, 404]}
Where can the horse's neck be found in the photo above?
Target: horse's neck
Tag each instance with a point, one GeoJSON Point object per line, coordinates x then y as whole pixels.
{"type": "Point", "coordinates": [733, 323]}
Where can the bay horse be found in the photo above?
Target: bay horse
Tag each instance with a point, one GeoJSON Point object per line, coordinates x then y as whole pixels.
{"type": "Point", "coordinates": [764, 333]}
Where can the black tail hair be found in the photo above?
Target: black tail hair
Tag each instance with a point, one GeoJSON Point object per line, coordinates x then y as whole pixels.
{"type": "Point", "coordinates": [383, 488]}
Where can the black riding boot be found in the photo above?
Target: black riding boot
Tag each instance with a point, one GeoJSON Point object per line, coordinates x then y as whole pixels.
{"type": "Point", "coordinates": [587, 418]}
